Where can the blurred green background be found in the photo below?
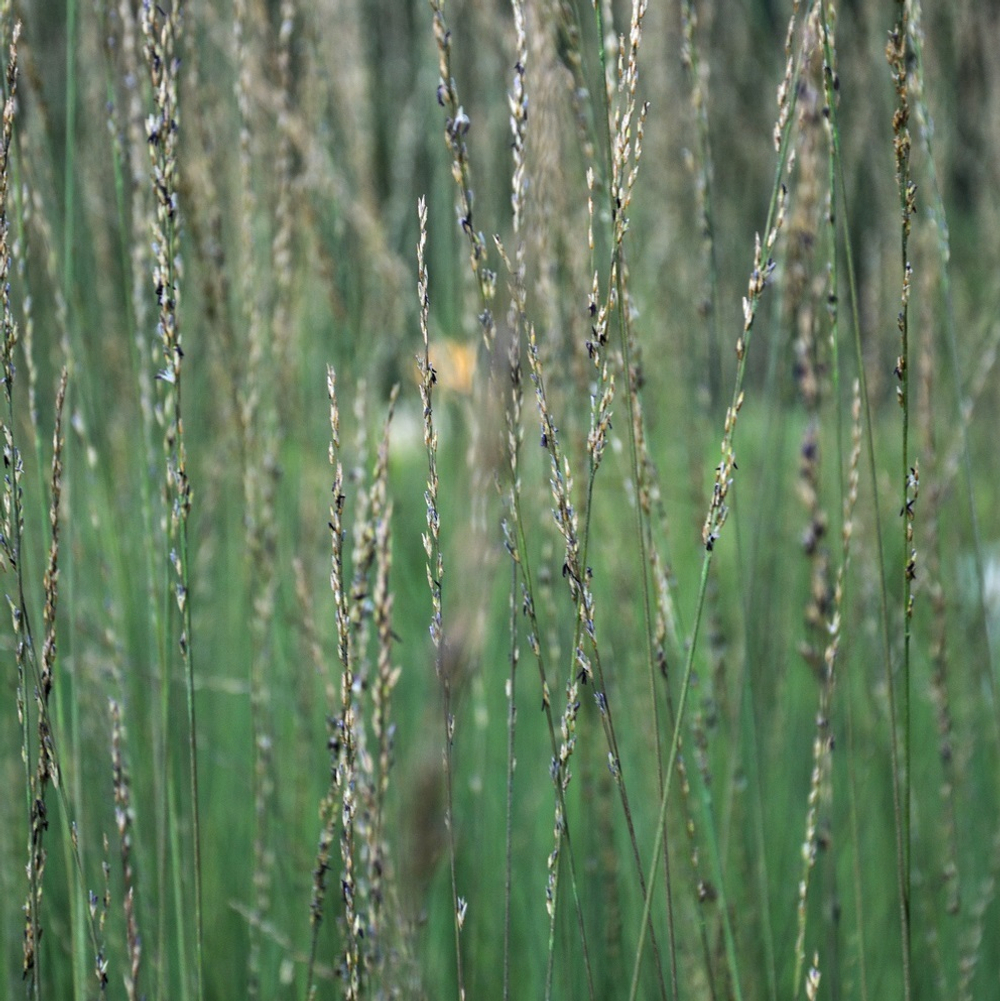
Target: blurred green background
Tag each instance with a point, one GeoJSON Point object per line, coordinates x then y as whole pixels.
{"type": "Point", "coordinates": [302, 155]}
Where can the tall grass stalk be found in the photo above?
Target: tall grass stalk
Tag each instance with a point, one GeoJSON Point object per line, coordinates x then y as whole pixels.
{"type": "Point", "coordinates": [901, 824]}
{"type": "Point", "coordinates": [161, 32]}
{"type": "Point", "coordinates": [435, 575]}
{"type": "Point", "coordinates": [518, 104]}
{"type": "Point", "coordinates": [340, 741]}
{"type": "Point", "coordinates": [344, 738]}
{"type": "Point", "coordinates": [624, 125]}
{"type": "Point", "coordinates": [624, 151]}
{"type": "Point", "coordinates": [580, 671]}
{"type": "Point", "coordinates": [706, 373]}
{"type": "Point", "coordinates": [897, 55]}
{"type": "Point", "coordinates": [68, 286]}
{"type": "Point", "coordinates": [831, 88]}
{"type": "Point", "coordinates": [12, 537]}
{"type": "Point", "coordinates": [134, 202]}
{"type": "Point", "coordinates": [456, 129]}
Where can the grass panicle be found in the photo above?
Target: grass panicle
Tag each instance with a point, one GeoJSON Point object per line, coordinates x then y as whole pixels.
{"type": "Point", "coordinates": [161, 34]}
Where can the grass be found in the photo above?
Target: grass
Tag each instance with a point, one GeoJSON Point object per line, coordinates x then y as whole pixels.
{"type": "Point", "coordinates": [614, 617]}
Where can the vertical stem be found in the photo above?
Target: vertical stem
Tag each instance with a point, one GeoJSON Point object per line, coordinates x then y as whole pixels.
{"type": "Point", "coordinates": [435, 573]}
{"type": "Point", "coordinates": [68, 275]}
{"type": "Point", "coordinates": [896, 53]}
{"type": "Point", "coordinates": [160, 32]}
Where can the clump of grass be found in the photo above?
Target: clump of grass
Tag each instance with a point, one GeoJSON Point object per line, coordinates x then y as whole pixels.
{"type": "Point", "coordinates": [331, 798]}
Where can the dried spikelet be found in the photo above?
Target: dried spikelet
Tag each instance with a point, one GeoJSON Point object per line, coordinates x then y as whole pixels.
{"type": "Point", "coordinates": [760, 275]}
{"type": "Point", "coordinates": [100, 908]}
{"type": "Point", "coordinates": [51, 580]}
{"type": "Point", "coordinates": [560, 479]}
{"type": "Point", "coordinates": [785, 87]}
{"type": "Point", "coordinates": [627, 125]}
{"type": "Point", "coordinates": [456, 130]}
{"type": "Point", "coordinates": [812, 979]}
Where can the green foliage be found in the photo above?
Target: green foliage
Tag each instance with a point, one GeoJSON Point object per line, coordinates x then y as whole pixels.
{"type": "Point", "coordinates": [557, 640]}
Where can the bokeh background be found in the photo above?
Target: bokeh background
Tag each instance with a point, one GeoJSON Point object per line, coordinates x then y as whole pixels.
{"type": "Point", "coordinates": [306, 135]}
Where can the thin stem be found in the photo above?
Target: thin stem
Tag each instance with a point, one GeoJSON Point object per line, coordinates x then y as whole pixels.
{"type": "Point", "coordinates": [831, 86]}
{"type": "Point", "coordinates": [509, 807]}
{"type": "Point", "coordinates": [910, 480]}
{"type": "Point", "coordinates": [718, 509]}
{"type": "Point", "coordinates": [435, 574]}
{"type": "Point", "coordinates": [901, 855]}
{"type": "Point", "coordinates": [668, 777]}
{"type": "Point", "coordinates": [161, 32]}
{"type": "Point", "coordinates": [621, 146]}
